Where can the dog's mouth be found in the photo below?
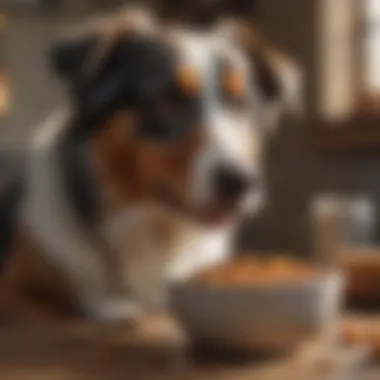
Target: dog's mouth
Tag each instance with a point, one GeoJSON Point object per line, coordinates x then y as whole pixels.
{"type": "Point", "coordinates": [214, 214]}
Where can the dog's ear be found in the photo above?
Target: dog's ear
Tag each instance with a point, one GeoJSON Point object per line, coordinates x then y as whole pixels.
{"type": "Point", "coordinates": [70, 56]}
{"type": "Point", "coordinates": [279, 79]}
{"type": "Point", "coordinates": [280, 82]}
{"type": "Point", "coordinates": [106, 74]}
{"type": "Point", "coordinates": [90, 71]}
{"type": "Point", "coordinates": [111, 62]}
{"type": "Point", "coordinates": [73, 56]}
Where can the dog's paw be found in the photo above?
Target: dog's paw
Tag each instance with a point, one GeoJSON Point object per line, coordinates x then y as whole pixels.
{"type": "Point", "coordinates": [114, 311]}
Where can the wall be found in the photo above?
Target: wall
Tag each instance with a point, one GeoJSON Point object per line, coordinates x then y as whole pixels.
{"type": "Point", "coordinates": [295, 170]}
{"type": "Point", "coordinates": [35, 90]}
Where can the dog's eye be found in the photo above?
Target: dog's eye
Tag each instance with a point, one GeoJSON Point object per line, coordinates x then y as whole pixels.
{"type": "Point", "coordinates": [170, 115]}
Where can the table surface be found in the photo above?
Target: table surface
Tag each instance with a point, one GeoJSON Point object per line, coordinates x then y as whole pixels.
{"type": "Point", "coordinates": [153, 350]}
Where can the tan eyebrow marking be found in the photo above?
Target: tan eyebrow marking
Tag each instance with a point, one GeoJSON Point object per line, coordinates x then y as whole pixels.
{"type": "Point", "coordinates": [188, 79]}
{"type": "Point", "coordinates": [233, 82]}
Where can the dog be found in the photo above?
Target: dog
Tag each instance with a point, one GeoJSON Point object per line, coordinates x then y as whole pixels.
{"type": "Point", "coordinates": [143, 177]}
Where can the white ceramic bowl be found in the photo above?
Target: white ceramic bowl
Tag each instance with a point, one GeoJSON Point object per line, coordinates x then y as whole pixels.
{"type": "Point", "coordinates": [259, 317]}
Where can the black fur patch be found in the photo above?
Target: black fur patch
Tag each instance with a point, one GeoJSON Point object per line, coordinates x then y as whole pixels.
{"type": "Point", "coordinates": [11, 192]}
{"type": "Point", "coordinates": [136, 69]}
{"type": "Point", "coordinates": [268, 81]}
{"type": "Point", "coordinates": [78, 178]}
{"type": "Point", "coordinates": [169, 116]}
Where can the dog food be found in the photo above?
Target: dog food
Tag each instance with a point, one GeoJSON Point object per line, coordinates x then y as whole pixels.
{"type": "Point", "coordinates": [362, 331]}
{"type": "Point", "coordinates": [255, 271]}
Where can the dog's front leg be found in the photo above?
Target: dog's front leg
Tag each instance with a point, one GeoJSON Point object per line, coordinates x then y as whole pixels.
{"type": "Point", "coordinates": [139, 258]}
{"type": "Point", "coordinates": [84, 266]}
{"type": "Point", "coordinates": [90, 278]}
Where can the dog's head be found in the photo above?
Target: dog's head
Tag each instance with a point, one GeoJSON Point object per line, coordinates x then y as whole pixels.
{"type": "Point", "coordinates": [182, 114]}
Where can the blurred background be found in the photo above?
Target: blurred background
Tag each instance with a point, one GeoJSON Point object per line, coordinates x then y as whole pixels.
{"type": "Point", "coordinates": [331, 151]}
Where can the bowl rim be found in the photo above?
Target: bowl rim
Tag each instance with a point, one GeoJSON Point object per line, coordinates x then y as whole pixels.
{"type": "Point", "coordinates": [335, 275]}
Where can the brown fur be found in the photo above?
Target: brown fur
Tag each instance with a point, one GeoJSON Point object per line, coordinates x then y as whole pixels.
{"type": "Point", "coordinates": [31, 287]}
{"type": "Point", "coordinates": [130, 167]}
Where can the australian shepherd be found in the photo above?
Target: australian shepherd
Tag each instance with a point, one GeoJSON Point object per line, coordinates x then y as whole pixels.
{"type": "Point", "coordinates": [142, 178]}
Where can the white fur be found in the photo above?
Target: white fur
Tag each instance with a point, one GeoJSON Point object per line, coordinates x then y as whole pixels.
{"type": "Point", "coordinates": [208, 248]}
{"type": "Point", "coordinates": [231, 138]}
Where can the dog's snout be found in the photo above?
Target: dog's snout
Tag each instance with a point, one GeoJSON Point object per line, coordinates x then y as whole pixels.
{"type": "Point", "coordinates": [231, 183]}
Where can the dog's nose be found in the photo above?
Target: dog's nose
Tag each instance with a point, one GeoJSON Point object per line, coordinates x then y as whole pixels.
{"type": "Point", "coordinates": [231, 183]}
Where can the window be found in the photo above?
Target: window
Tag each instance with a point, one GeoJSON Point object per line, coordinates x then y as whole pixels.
{"type": "Point", "coordinates": [348, 74]}
{"type": "Point", "coordinates": [4, 85]}
{"type": "Point", "coordinates": [371, 44]}
{"type": "Point", "coordinates": [338, 44]}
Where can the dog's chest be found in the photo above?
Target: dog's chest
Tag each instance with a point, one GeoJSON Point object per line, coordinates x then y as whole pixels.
{"type": "Point", "coordinates": [179, 248]}
{"type": "Point", "coordinates": [150, 237]}
{"type": "Point", "coordinates": [198, 250]}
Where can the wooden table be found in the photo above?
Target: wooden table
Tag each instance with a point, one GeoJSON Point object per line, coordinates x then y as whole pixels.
{"type": "Point", "coordinates": [153, 350]}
